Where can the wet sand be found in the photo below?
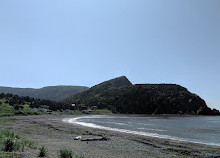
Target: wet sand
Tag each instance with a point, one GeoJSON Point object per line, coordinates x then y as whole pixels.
{"type": "Point", "coordinates": [51, 131]}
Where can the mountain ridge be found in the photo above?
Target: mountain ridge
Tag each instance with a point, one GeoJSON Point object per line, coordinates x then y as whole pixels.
{"type": "Point", "coordinates": [55, 93]}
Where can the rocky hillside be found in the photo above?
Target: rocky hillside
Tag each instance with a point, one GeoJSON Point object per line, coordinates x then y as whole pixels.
{"type": "Point", "coordinates": [119, 95]}
{"type": "Point", "coordinates": [97, 90]}
{"type": "Point", "coordinates": [55, 93]}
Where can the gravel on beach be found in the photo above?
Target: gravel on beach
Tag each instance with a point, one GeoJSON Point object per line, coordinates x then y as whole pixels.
{"type": "Point", "coordinates": [51, 131]}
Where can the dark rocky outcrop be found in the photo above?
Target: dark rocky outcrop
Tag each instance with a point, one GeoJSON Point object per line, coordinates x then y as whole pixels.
{"type": "Point", "coordinates": [208, 111]}
{"type": "Point", "coordinates": [119, 95]}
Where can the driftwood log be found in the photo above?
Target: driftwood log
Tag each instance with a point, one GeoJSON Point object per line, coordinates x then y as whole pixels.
{"type": "Point", "coordinates": [91, 138]}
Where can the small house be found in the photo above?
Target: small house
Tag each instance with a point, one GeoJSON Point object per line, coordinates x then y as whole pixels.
{"type": "Point", "coordinates": [94, 107]}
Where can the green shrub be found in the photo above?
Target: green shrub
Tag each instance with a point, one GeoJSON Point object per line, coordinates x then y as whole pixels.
{"type": "Point", "coordinates": [65, 153]}
{"type": "Point", "coordinates": [68, 153]}
{"type": "Point", "coordinates": [9, 134]}
{"type": "Point", "coordinates": [7, 110]}
{"type": "Point", "coordinates": [9, 145]}
{"type": "Point", "coordinates": [42, 151]}
{"type": "Point", "coordinates": [29, 143]}
{"type": "Point", "coordinates": [10, 141]}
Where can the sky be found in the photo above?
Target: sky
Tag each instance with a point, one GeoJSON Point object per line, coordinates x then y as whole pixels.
{"type": "Point", "coordinates": [85, 42]}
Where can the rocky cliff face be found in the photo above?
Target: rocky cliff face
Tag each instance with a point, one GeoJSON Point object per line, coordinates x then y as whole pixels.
{"type": "Point", "coordinates": [121, 96]}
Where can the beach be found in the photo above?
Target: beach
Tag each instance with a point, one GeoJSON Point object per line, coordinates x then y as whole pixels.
{"type": "Point", "coordinates": [52, 132]}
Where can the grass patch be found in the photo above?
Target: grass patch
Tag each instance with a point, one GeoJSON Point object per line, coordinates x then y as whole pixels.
{"type": "Point", "coordinates": [147, 152]}
{"type": "Point", "coordinates": [26, 131]}
{"type": "Point", "coordinates": [65, 153]}
{"type": "Point", "coordinates": [11, 141]}
{"type": "Point", "coordinates": [7, 133]}
{"type": "Point", "coordinates": [10, 145]}
{"type": "Point", "coordinates": [26, 110]}
{"type": "Point", "coordinates": [75, 133]}
{"type": "Point", "coordinates": [42, 151]}
{"type": "Point", "coordinates": [10, 155]}
{"type": "Point", "coordinates": [27, 143]}
{"type": "Point", "coordinates": [6, 120]}
{"type": "Point", "coordinates": [35, 126]}
{"type": "Point", "coordinates": [68, 153]}
{"type": "Point", "coordinates": [102, 111]}
{"type": "Point", "coordinates": [175, 154]}
{"type": "Point", "coordinates": [6, 110]}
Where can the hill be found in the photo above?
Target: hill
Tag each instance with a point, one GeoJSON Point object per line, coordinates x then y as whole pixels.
{"type": "Point", "coordinates": [119, 95]}
{"type": "Point", "coordinates": [55, 93]}
{"type": "Point", "coordinates": [97, 90]}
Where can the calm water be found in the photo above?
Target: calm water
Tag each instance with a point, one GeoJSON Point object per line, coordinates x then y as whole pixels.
{"type": "Point", "coordinates": [205, 130]}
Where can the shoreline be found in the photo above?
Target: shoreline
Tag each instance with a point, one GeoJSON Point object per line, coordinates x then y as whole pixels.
{"type": "Point", "coordinates": [51, 131]}
{"type": "Point", "coordinates": [74, 121]}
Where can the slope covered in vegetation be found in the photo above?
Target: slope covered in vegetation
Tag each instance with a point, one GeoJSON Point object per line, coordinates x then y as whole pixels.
{"type": "Point", "coordinates": [14, 105]}
{"type": "Point", "coordinates": [142, 98]}
{"type": "Point", "coordinates": [55, 93]}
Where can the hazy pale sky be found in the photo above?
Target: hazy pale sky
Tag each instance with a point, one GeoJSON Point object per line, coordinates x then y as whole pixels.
{"type": "Point", "coordinates": [85, 42]}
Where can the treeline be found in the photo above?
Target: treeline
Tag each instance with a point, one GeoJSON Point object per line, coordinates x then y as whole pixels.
{"type": "Point", "coordinates": [144, 99]}
{"type": "Point", "coordinates": [17, 102]}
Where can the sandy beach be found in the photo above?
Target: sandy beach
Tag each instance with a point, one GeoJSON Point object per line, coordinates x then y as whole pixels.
{"type": "Point", "coordinates": [51, 131]}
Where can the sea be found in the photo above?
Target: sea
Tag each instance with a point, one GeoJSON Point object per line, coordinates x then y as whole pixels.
{"type": "Point", "coordinates": [196, 129]}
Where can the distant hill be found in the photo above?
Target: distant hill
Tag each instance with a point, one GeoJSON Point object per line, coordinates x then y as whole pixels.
{"type": "Point", "coordinates": [55, 93]}
{"type": "Point", "coordinates": [119, 95]}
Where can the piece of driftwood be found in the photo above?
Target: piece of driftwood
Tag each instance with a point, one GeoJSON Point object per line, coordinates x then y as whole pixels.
{"type": "Point", "coordinates": [78, 137]}
{"type": "Point", "coordinates": [90, 138]}
{"type": "Point", "coordinates": [94, 139]}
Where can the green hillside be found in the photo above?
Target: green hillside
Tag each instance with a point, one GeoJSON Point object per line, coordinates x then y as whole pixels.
{"type": "Point", "coordinates": [55, 93]}
{"type": "Point", "coordinates": [119, 95]}
{"type": "Point", "coordinates": [16, 105]}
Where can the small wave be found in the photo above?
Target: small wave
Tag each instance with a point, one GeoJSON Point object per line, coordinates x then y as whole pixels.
{"type": "Point", "coordinates": [152, 129]}
{"type": "Point", "coordinates": [92, 125]}
{"type": "Point", "coordinates": [146, 124]}
{"type": "Point", "coordinates": [116, 123]}
{"type": "Point", "coordinates": [120, 124]}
